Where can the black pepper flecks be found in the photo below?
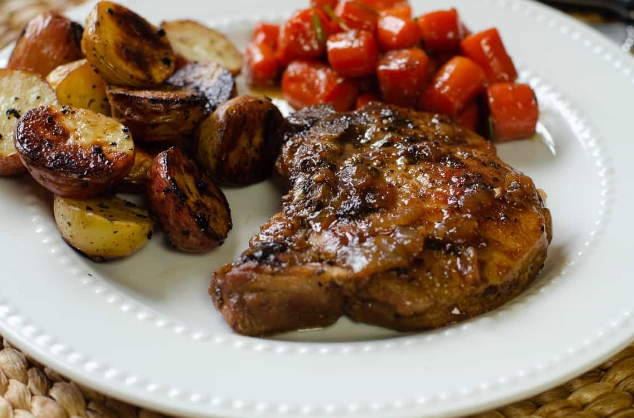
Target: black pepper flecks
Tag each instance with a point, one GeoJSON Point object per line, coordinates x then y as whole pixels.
{"type": "Point", "coordinates": [12, 112]}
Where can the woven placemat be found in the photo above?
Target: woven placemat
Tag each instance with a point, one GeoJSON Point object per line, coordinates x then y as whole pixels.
{"type": "Point", "coordinates": [31, 390]}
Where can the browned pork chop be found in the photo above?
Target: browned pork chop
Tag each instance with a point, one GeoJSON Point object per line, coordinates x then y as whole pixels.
{"type": "Point", "coordinates": [393, 217]}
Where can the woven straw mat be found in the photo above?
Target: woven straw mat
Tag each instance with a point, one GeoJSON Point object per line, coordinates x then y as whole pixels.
{"type": "Point", "coordinates": [29, 389]}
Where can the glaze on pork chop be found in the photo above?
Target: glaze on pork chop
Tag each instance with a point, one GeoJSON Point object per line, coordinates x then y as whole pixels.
{"type": "Point", "coordinates": [393, 217]}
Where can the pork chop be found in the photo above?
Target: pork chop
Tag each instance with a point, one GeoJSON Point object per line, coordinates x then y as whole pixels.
{"type": "Point", "coordinates": [393, 217]}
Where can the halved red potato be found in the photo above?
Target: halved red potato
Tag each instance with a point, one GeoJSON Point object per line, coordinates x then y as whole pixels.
{"type": "Point", "coordinates": [48, 40]}
{"type": "Point", "coordinates": [210, 79]}
{"type": "Point", "coordinates": [192, 210]}
{"type": "Point", "coordinates": [199, 43]}
{"type": "Point", "coordinates": [126, 49]}
{"type": "Point", "coordinates": [19, 92]}
{"type": "Point", "coordinates": [78, 84]}
{"type": "Point", "coordinates": [74, 152]}
{"type": "Point", "coordinates": [239, 142]}
{"type": "Point", "coordinates": [103, 227]}
{"type": "Point", "coordinates": [157, 116]}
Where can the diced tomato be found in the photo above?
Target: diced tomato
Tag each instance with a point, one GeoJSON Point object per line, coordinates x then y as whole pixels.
{"type": "Point", "coordinates": [303, 36]}
{"type": "Point", "coordinates": [396, 33]}
{"type": "Point", "coordinates": [321, 4]}
{"type": "Point", "coordinates": [305, 83]}
{"type": "Point", "coordinates": [401, 74]}
{"type": "Point", "coordinates": [353, 53]}
{"type": "Point", "coordinates": [440, 30]}
{"type": "Point", "coordinates": [356, 15]}
{"type": "Point", "coordinates": [266, 33]}
{"type": "Point", "coordinates": [365, 99]}
{"type": "Point", "coordinates": [404, 11]}
{"type": "Point", "coordinates": [513, 111]}
{"type": "Point", "coordinates": [379, 5]}
{"type": "Point", "coordinates": [470, 117]}
{"type": "Point", "coordinates": [487, 50]}
{"type": "Point", "coordinates": [456, 84]}
{"type": "Point", "coordinates": [261, 66]}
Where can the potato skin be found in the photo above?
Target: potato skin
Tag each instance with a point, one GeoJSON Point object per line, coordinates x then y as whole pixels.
{"type": "Point", "coordinates": [158, 116]}
{"type": "Point", "coordinates": [125, 48]}
{"type": "Point", "coordinates": [239, 142]}
{"type": "Point", "coordinates": [102, 228]}
{"type": "Point", "coordinates": [192, 210]}
{"type": "Point", "coordinates": [74, 152]}
{"type": "Point", "coordinates": [48, 40]}
{"type": "Point", "coordinates": [210, 79]}
{"type": "Point", "coordinates": [20, 91]}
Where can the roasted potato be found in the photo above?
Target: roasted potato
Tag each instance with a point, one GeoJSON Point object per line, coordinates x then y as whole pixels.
{"type": "Point", "coordinates": [102, 228]}
{"type": "Point", "coordinates": [192, 210]}
{"type": "Point", "coordinates": [139, 175]}
{"type": "Point", "coordinates": [77, 84]}
{"type": "Point", "coordinates": [48, 41]}
{"type": "Point", "coordinates": [199, 43]}
{"type": "Point", "coordinates": [125, 48]}
{"type": "Point", "coordinates": [239, 142]}
{"type": "Point", "coordinates": [19, 92]}
{"type": "Point", "coordinates": [210, 79]}
{"type": "Point", "coordinates": [158, 116]}
{"type": "Point", "coordinates": [74, 152]}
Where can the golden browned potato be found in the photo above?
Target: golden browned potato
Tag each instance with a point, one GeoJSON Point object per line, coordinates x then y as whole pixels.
{"type": "Point", "coordinates": [102, 228]}
{"type": "Point", "coordinates": [48, 40]}
{"type": "Point", "coordinates": [192, 210]}
{"type": "Point", "coordinates": [77, 84]}
{"type": "Point", "coordinates": [199, 43]}
{"type": "Point", "coordinates": [19, 92]}
{"type": "Point", "coordinates": [239, 142]}
{"type": "Point", "coordinates": [139, 175]}
{"type": "Point", "coordinates": [157, 116]}
{"type": "Point", "coordinates": [125, 48]}
{"type": "Point", "coordinates": [74, 152]}
{"type": "Point", "coordinates": [210, 79]}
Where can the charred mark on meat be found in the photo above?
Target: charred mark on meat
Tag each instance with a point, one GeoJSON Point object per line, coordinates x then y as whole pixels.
{"type": "Point", "coordinates": [265, 253]}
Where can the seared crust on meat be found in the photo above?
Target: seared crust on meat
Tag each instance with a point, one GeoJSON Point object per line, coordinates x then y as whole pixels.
{"type": "Point", "coordinates": [393, 217]}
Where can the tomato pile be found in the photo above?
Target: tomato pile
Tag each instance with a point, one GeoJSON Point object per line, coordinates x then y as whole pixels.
{"type": "Point", "coordinates": [352, 52]}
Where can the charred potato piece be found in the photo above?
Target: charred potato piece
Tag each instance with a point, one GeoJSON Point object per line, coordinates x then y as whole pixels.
{"type": "Point", "coordinates": [158, 116]}
{"type": "Point", "coordinates": [192, 210]}
{"type": "Point", "coordinates": [19, 92]}
{"type": "Point", "coordinates": [125, 48]}
{"type": "Point", "coordinates": [48, 41]}
{"type": "Point", "coordinates": [210, 79]}
{"type": "Point", "coordinates": [199, 43]}
{"type": "Point", "coordinates": [139, 175]}
{"type": "Point", "coordinates": [74, 152]}
{"type": "Point", "coordinates": [77, 84]}
{"type": "Point", "coordinates": [102, 228]}
{"type": "Point", "coordinates": [239, 142]}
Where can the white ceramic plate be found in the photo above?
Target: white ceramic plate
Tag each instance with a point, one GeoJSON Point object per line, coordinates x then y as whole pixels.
{"type": "Point", "coordinates": [144, 330]}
